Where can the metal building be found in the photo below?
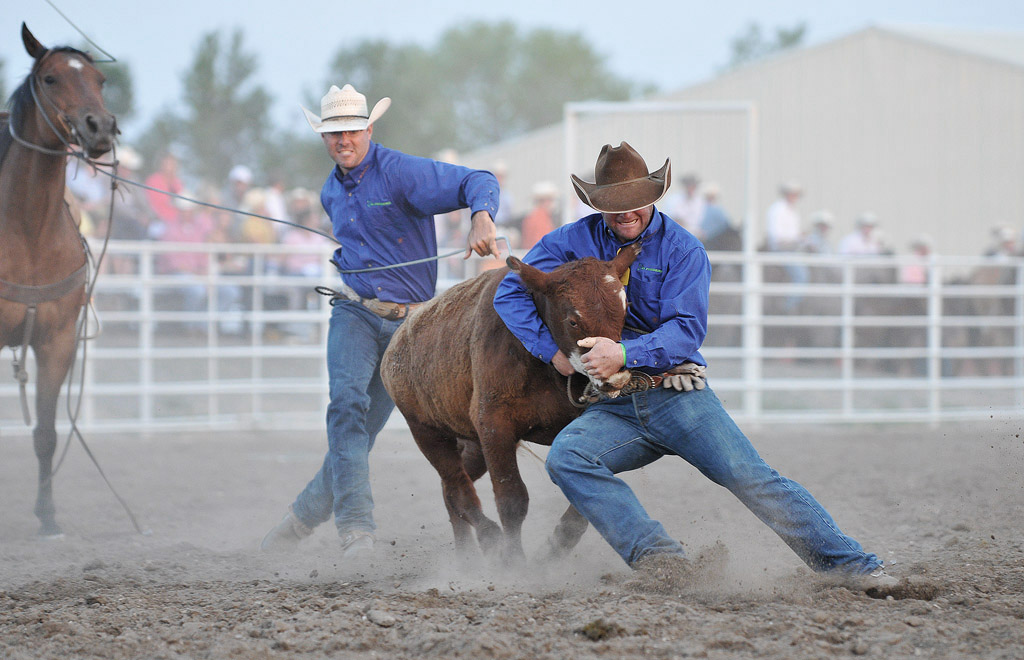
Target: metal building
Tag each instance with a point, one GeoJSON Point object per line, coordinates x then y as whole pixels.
{"type": "Point", "coordinates": [923, 127]}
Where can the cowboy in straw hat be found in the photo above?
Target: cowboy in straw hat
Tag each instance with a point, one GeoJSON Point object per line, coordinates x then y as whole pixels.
{"type": "Point", "coordinates": [345, 110]}
{"type": "Point", "coordinates": [382, 204]}
{"type": "Point", "coordinates": [666, 409]}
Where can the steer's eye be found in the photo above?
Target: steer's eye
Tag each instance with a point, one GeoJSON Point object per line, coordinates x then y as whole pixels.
{"type": "Point", "coordinates": [49, 80]}
{"type": "Point", "coordinates": [573, 323]}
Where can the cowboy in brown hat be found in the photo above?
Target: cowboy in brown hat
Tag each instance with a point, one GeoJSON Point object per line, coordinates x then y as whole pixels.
{"type": "Point", "coordinates": [666, 408]}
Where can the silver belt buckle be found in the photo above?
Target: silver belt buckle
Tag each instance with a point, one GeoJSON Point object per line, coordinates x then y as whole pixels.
{"type": "Point", "coordinates": [639, 381]}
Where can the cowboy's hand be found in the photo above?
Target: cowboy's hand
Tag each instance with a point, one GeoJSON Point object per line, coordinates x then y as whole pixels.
{"type": "Point", "coordinates": [482, 236]}
{"type": "Point", "coordinates": [604, 357]}
{"type": "Point", "coordinates": [686, 377]}
{"type": "Point", "coordinates": [562, 364]}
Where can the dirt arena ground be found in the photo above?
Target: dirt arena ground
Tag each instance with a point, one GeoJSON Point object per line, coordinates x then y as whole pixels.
{"type": "Point", "coordinates": [942, 506]}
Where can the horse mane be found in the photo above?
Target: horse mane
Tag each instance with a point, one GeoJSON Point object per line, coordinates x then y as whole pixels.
{"type": "Point", "coordinates": [5, 136]}
{"type": "Point", "coordinates": [21, 101]}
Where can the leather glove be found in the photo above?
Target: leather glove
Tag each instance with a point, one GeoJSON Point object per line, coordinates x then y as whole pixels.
{"type": "Point", "coordinates": [686, 377]}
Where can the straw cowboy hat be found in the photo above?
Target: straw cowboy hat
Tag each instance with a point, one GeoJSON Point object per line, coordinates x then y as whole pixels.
{"type": "Point", "coordinates": [622, 182]}
{"type": "Point", "coordinates": [345, 110]}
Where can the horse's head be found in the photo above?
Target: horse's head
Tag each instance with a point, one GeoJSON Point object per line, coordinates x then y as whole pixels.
{"type": "Point", "coordinates": [67, 90]}
{"type": "Point", "coordinates": [580, 299]}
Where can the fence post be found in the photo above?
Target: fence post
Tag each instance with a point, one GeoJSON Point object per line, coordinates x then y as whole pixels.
{"type": "Point", "coordinates": [146, 332]}
{"type": "Point", "coordinates": [846, 339]}
{"type": "Point", "coordinates": [1019, 337]}
{"type": "Point", "coordinates": [212, 331]}
{"type": "Point", "coordinates": [753, 335]}
{"type": "Point", "coordinates": [935, 313]}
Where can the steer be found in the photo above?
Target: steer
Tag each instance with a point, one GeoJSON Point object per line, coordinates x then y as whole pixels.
{"type": "Point", "coordinates": [471, 392]}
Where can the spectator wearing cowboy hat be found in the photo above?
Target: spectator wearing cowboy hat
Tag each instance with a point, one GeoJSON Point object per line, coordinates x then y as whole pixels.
{"type": "Point", "coordinates": [382, 204]}
{"type": "Point", "coordinates": [817, 240]}
{"type": "Point", "coordinates": [864, 239]}
{"type": "Point", "coordinates": [666, 322]}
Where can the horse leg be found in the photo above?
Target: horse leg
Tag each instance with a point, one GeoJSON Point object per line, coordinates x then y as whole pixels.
{"type": "Point", "coordinates": [567, 534]}
{"type": "Point", "coordinates": [53, 360]}
{"type": "Point", "coordinates": [510, 494]}
{"type": "Point", "coordinates": [464, 510]}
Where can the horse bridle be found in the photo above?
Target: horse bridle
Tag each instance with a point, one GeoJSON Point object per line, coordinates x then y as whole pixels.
{"type": "Point", "coordinates": [38, 101]}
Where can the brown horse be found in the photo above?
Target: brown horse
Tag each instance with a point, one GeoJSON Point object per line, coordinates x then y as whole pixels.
{"type": "Point", "coordinates": [42, 258]}
{"type": "Point", "coordinates": [471, 392]}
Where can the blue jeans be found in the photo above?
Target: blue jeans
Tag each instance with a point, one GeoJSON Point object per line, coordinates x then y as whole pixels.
{"type": "Point", "coordinates": [629, 432]}
{"type": "Point", "coordinates": [358, 409]}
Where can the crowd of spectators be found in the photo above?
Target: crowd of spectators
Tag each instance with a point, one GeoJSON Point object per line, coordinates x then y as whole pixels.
{"type": "Point", "coordinates": [148, 214]}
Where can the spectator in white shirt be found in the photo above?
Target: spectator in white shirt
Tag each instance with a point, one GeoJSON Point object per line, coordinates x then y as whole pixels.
{"type": "Point", "coordinates": [863, 240]}
{"type": "Point", "coordinates": [689, 210]}
{"type": "Point", "coordinates": [782, 223]}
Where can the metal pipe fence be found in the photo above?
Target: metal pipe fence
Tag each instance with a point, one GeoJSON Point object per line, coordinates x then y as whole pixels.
{"type": "Point", "coordinates": [239, 342]}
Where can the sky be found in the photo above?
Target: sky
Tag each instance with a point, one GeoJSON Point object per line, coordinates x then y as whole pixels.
{"type": "Point", "coordinates": [672, 44]}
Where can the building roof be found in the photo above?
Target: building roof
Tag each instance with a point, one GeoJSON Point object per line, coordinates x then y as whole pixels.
{"type": "Point", "coordinates": [1004, 46]}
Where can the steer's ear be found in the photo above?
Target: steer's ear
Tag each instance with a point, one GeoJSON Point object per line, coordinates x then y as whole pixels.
{"type": "Point", "coordinates": [534, 278]}
{"type": "Point", "coordinates": [32, 45]}
{"type": "Point", "coordinates": [625, 258]}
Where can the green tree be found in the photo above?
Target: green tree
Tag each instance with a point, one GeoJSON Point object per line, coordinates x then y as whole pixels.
{"type": "Point", "coordinates": [420, 121]}
{"type": "Point", "coordinates": [226, 113]}
{"type": "Point", "coordinates": [119, 90]}
{"type": "Point", "coordinates": [162, 134]}
{"type": "Point", "coordinates": [506, 83]}
{"type": "Point", "coordinates": [479, 84]}
{"type": "Point", "coordinates": [752, 45]}
{"type": "Point", "coordinates": [300, 159]}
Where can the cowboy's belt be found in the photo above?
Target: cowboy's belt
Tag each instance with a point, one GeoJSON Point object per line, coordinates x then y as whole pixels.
{"type": "Point", "coordinates": [640, 381]}
{"type": "Point", "coordinates": [391, 311]}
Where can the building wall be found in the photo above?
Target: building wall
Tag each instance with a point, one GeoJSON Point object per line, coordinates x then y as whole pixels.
{"type": "Point", "coordinates": [929, 138]}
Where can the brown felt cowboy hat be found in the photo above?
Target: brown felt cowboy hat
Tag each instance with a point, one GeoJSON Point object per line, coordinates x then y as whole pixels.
{"type": "Point", "coordinates": [622, 182]}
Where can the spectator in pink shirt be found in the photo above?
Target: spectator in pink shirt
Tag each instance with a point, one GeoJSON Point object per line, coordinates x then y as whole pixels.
{"type": "Point", "coordinates": [165, 178]}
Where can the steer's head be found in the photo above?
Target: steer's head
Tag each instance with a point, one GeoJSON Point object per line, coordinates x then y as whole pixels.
{"type": "Point", "coordinates": [580, 299]}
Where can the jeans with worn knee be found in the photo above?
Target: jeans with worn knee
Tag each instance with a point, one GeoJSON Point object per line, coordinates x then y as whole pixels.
{"type": "Point", "coordinates": [358, 409]}
{"type": "Point", "coordinates": [630, 432]}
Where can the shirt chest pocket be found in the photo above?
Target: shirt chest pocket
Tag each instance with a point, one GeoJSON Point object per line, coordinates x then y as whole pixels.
{"type": "Point", "coordinates": [645, 294]}
{"type": "Point", "coordinates": [646, 284]}
{"type": "Point", "coordinates": [383, 219]}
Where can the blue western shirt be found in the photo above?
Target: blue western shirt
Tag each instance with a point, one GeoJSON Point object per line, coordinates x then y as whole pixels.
{"type": "Point", "coordinates": [382, 213]}
{"type": "Point", "coordinates": [667, 292]}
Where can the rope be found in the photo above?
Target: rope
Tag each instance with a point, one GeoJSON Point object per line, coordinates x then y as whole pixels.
{"type": "Point", "coordinates": [84, 35]}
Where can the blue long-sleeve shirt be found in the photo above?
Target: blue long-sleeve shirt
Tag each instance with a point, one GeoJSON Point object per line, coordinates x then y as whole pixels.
{"type": "Point", "coordinates": [667, 315]}
{"type": "Point", "coordinates": [382, 213]}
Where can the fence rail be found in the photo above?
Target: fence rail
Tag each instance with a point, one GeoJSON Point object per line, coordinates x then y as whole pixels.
{"type": "Point", "coordinates": [240, 345]}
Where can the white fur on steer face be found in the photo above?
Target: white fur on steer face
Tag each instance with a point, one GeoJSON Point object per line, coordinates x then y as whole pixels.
{"type": "Point", "coordinates": [75, 63]}
{"type": "Point", "coordinates": [576, 360]}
